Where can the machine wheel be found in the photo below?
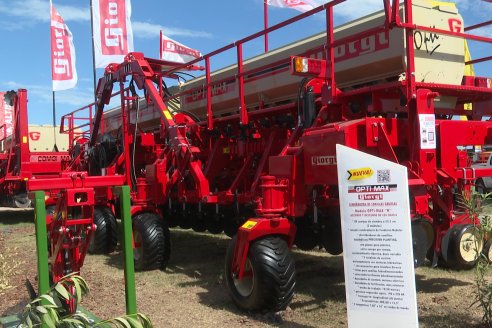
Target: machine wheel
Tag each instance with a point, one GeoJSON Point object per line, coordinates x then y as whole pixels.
{"type": "Point", "coordinates": [185, 217]}
{"type": "Point", "coordinates": [197, 220]}
{"type": "Point", "coordinates": [172, 217]}
{"type": "Point", "coordinates": [461, 246]}
{"type": "Point", "coordinates": [480, 187]}
{"type": "Point", "coordinates": [270, 275]}
{"type": "Point", "coordinates": [331, 234]}
{"type": "Point", "coordinates": [422, 240]}
{"type": "Point", "coordinates": [213, 220]}
{"type": "Point", "coordinates": [231, 220]}
{"type": "Point", "coordinates": [198, 223]}
{"type": "Point", "coordinates": [487, 250]}
{"type": "Point", "coordinates": [152, 246]}
{"type": "Point", "coordinates": [106, 234]}
{"type": "Point", "coordinates": [306, 236]}
{"type": "Point", "coordinates": [21, 201]}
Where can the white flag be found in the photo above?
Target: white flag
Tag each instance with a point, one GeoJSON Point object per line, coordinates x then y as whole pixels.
{"type": "Point", "coordinates": [176, 52]}
{"type": "Point", "coordinates": [113, 35]}
{"type": "Point", "coordinates": [63, 70]}
{"type": "Point", "coordinates": [301, 5]}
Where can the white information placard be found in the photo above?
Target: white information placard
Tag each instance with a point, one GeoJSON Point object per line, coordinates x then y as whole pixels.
{"type": "Point", "coordinates": [377, 241]}
{"type": "Point", "coordinates": [427, 131]}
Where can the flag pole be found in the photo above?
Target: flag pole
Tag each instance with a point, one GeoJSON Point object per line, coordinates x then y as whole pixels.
{"type": "Point", "coordinates": [265, 22]}
{"type": "Point", "coordinates": [160, 44]}
{"type": "Point", "coordinates": [55, 147]}
{"type": "Point", "coordinates": [93, 54]}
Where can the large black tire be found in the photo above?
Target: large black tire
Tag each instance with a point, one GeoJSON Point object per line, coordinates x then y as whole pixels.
{"type": "Point", "coordinates": [272, 276]}
{"type": "Point", "coordinates": [106, 235]}
{"type": "Point", "coordinates": [152, 242]}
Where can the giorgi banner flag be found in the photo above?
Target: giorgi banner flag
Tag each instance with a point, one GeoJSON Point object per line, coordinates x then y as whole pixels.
{"type": "Point", "coordinates": [63, 70]}
{"type": "Point", "coordinates": [113, 35]}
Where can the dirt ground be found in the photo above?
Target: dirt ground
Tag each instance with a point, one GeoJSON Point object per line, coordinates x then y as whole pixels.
{"type": "Point", "coordinates": [192, 292]}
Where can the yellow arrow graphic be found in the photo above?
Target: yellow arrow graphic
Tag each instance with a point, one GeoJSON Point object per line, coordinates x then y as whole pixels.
{"type": "Point", "coordinates": [359, 174]}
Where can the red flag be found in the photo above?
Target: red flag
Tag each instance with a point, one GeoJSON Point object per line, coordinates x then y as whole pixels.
{"type": "Point", "coordinates": [301, 5]}
{"type": "Point", "coordinates": [6, 118]}
{"type": "Point", "coordinates": [113, 35]}
{"type": "Point", "coordinates": [174, 51]}
{"type": "Point", "coordinates": [63, 70]}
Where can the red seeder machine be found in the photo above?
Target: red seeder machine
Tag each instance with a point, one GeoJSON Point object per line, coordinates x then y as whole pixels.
{"type": "Point", "coordinates": [250, 149]}
{"type": "Point", "coordinates": [17, 163]}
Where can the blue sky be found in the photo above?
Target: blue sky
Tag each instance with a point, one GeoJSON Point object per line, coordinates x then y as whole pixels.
{"type": "Point", "coordinates": [203, 25]}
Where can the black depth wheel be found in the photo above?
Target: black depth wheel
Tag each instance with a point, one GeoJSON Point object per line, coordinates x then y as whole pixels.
{"type": "Point", "coordinates": [213, 220]}
{"type": "Point", "coordinates": [464, 246]}
{"type": "Point", "coordinates": [152, 246]}
{"type": "Point", "coordinates": [106, 235]}
{"type": "Point", "coordinates": [197, 219]}
{"type": "Point", "coordinates": [230, 220]}
{"type": "Point", "coordinates": [331, 233]}
{"type": "Point", "coordinates": [22, 200]}
{"type": "Point", "coordinates": [270, 275]}
{"type": "Point", "coordinates": [480, 187]}
{"type": "Point", "coordinates": [487, 250]}
{"type": "Point", "coordinates": [307, 237]}
{"type": "Point", "coordinates": [185, 217]}
{"type": "Point", "coordinates": [422, 239]}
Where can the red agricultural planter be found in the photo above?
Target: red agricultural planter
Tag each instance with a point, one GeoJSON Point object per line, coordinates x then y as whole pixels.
{"type": "Point", "coordinates": [250, 149]}
{"type": "Point", "coordinates": [17, 163]}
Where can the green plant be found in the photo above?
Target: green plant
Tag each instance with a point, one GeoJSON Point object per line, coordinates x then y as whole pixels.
{"type": "Point", "coordinates": [474, 204]}
{"type": "Point", "coordinates": [50, 309]}
{"type": "Point", "coordinates": [8, 267]}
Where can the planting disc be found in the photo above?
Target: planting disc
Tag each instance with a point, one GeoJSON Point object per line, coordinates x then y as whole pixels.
{"type": "Point", "coordinates": [423, 238]}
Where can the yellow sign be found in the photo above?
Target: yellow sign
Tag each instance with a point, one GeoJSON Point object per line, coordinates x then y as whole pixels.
{"type": "Point", "coordinates": [226, 150]}
{"type": "Point", "coordinates": [249, 225]}
{"type": "Point", "coordinates": [359, 174]}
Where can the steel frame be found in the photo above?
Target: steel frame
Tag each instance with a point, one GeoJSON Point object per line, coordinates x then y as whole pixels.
{"type": "Point", "coordinates": [261, 157]}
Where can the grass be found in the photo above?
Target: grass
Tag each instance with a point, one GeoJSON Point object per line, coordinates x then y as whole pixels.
{"type": "Point", "coordinates": [192, 291]}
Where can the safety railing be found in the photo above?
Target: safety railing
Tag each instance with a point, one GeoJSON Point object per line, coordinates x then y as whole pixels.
{"type": "Point", "coordinates": [80, 122]}
{"type": "Point", "coordinates": [241, 72]}
{"type": "Point", "coordinates": [392, 20]}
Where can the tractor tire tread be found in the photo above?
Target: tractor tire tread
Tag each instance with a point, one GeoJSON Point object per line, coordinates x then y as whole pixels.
{"type": "Point", "coordinates": [155, 241]}
{"type": "Point", "coordinates": [275, 275]}
{"type": "Point", "coordinates": [106, 235]}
